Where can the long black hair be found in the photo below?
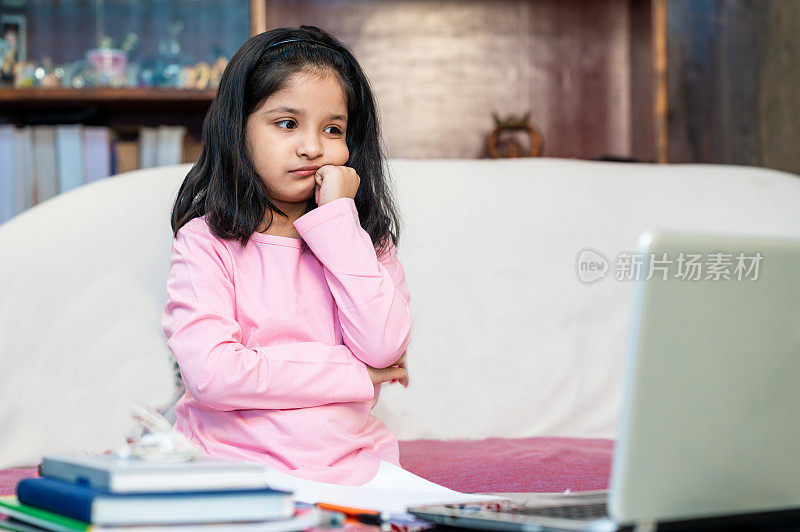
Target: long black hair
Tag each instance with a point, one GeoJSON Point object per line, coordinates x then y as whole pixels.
{"type": "Point", "coordinates": [224, 185]}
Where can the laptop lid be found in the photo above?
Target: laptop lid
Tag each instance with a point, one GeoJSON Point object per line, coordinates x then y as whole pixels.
{"type": "Point", "coordinates": [709, 423]}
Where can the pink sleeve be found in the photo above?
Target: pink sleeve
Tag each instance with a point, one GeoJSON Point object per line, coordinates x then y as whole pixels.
{"type": "Point", "coordinates": [222, 373]}
{"type": "Point", "coordinates": [372, 295]}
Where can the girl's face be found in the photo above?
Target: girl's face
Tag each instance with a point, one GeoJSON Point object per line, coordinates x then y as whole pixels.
{"type": "Point", "coordinates": [303, 124]}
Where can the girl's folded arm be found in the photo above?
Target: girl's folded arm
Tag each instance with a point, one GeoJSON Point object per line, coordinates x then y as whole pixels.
{"type": "Point", "coordinates": [222, 373]}
{"type": "Point", "coordinates": [371, 293]}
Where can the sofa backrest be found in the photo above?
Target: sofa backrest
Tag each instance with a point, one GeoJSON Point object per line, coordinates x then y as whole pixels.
{"type": "Point", "coordinates": [83, 287]}
{"type": "Point", "coordinates": [507, 341]}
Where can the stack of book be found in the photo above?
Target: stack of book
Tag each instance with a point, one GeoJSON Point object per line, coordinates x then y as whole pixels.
{"type": "Point", "coordinates": [103, 492]}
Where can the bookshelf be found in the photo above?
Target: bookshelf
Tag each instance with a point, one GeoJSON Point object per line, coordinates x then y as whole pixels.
{"type": "Point", "coordinates": [107, 125]}
{"type": "Point", "coordinates": [125, 109]}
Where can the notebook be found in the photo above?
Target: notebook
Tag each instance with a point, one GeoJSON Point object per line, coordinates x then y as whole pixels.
{"type": "Point", "coordinates": [708, 428]}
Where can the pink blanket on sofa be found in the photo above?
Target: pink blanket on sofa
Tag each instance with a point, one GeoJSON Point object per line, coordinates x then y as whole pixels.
{"type": "Point", "coordinates": [503, 465]}
{"type": "Point", "coordinates": [498, 465]}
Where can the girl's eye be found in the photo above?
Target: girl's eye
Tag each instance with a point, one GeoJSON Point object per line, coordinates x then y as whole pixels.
{"type": "Point", "coordinates": [336, 129]}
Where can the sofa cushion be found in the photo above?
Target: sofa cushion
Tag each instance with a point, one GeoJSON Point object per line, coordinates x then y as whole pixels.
{"type": "Point", "coordinates": [493, 465]}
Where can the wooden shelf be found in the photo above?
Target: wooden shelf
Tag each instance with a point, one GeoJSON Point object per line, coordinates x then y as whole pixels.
{"type": "Point", "coordinates": [121, 109]}
{"type": "Point", "coordinates": [106, 94]}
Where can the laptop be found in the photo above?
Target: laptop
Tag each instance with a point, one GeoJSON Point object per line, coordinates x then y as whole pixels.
{"type": "Point", "coordinates": [709, 430]}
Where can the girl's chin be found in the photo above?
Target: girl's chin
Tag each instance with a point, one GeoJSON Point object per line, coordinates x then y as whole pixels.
{"type": "Point", "coordinates": [298, 198]}
{"type": "Point", "coordinates": [295, 193]}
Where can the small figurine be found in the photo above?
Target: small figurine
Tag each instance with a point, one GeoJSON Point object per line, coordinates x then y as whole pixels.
{"type": "Point", "coordinates": [8, 56]}
{"type": "Point", "coordinates": [79, 75]}
{"type": "Point", "coordinates": [49, 80]}
{"type": "Point", "coordinates": [110, 64]}
{"type": "Point", "coordinates": [24, 75]}
{"type": "Point", "coordinates": [499, 144]}
{"type": "Point", "coordinates": [166, 68]}
{"type": "Point", "coordinates": [197, 77]}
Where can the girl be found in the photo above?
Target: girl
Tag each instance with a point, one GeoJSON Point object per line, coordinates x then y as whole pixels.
{"type": "Point", "coordinates": [287, 307]}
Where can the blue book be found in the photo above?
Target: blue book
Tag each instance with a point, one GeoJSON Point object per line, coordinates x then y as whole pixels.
{"type": "Point", "coordinates": [96, 153]}
{"type": "Point", "coordinates": [7, 207]}
{"type": "Point", "coordinates": [100, 507]}
{"type": "Point", "coordinates": [69, 151]}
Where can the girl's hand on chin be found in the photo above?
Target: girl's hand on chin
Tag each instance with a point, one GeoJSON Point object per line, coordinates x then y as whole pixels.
{"type": "Point", "coordinates": [334, 182]}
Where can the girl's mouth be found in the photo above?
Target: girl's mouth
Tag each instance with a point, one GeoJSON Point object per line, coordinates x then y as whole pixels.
{"type": "Point", "coordinates": [303, 173]}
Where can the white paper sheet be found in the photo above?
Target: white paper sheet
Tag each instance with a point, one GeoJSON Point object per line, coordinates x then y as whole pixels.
{"type": "Point", "coordinates": [393, 490]}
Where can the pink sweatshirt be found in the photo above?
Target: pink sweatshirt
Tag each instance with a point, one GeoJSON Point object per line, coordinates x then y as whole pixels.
{"type": "Point", "coordinates": [273, 345]}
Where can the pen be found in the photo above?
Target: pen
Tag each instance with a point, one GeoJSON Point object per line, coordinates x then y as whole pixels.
{"type": "Point", "coordinates": [373, 517]}
{"type": "Point", "coordinates": [346, 510]}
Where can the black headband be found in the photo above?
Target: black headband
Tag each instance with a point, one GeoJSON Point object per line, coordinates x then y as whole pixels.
{"type": "Point", "coordinates": [301, 40]}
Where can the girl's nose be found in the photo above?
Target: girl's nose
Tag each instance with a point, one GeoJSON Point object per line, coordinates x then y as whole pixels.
{"type": "Point", "coordinates": [310, 146]}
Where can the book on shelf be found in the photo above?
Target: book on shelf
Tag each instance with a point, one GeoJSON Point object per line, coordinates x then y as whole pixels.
{"type": "Point", "coordinates": [45, 176]}
{"type": "Point", "coordinates": [96, 153]}
{"type": "Point", "coordinates": [170, 145]}
{"type": "Point", "coordinates": [102, 507]}
{"type": "Point", "coordinates": [70, 156]}
{"type": "Point", "coordinates": [7, 203]}
{"type": "Point", "coordinates": [23, 169]}
{"type": "Point", "coordinates": [161, 146]}
{"type": "Point", "coordinates": [148, 147]}
{"type": "Point", "coordinates": [127, 152]}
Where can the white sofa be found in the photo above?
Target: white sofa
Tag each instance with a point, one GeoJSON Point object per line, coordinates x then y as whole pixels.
{"type": "Point", "coordinates": [508, 342]}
